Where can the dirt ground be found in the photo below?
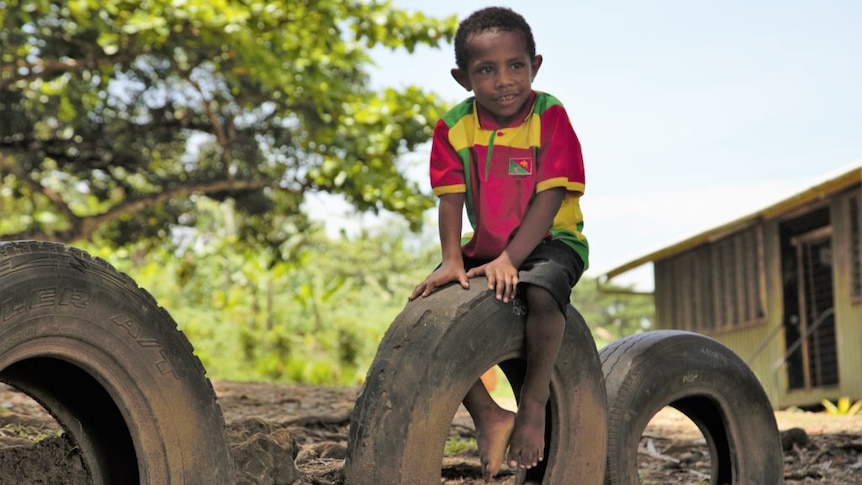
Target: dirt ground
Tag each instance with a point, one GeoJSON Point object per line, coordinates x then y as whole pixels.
{"type": "Point", "coordinates": [297, 435]}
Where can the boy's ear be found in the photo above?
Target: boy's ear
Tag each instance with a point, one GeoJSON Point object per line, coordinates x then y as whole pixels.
{"type": "Point", "coordinates": [535, 64]}
{"type": "Point", "coordinates": [461, 78]}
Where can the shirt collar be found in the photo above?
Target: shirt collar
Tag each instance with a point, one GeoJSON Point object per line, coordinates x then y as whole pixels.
{"type": "Point", "coordinates": [489, 122]}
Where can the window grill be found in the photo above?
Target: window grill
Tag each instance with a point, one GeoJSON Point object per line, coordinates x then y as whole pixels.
{"type": "Point", "coordinates": [819, 324]}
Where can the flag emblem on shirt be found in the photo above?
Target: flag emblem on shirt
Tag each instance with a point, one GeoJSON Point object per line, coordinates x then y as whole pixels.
{"type": "Point", "coordinates": [520, 166]}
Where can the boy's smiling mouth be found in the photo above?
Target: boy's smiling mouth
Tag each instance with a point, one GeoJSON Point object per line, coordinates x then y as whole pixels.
{"type": "Point", "coordinates": [506, 98]}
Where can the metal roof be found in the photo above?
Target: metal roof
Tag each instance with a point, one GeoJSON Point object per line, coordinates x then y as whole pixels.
{"type": "Point", "coordinates": [818, 191]}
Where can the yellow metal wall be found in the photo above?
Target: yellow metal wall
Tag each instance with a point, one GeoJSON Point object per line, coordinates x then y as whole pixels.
{"type": "Point", "coordinates": [763, 346]}
{"type": "Point", "coordinates": [848, 311]}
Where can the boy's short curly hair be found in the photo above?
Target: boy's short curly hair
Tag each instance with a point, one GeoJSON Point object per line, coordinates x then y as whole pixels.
{"type": "Point", "coordinates": [490, 18]}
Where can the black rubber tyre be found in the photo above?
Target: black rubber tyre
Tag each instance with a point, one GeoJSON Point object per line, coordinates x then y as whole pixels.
{"type": "Point", "coordinates": [110, 365]}
{"type": "Point", "coordinates": [431, 355]}
{"type": "Point", "coordinates": [708, 383]}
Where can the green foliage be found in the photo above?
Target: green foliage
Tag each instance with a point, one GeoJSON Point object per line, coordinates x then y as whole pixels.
{"type": "Point", "coordinates": [32, 433]}
{"type": "Point", "coordinates": [117, 114]}
{"type": "Point", "coordinates": [312, 310]}
{"type": "Point", "coordinates": [180, 139]}
{"type": "Point", "coordinates": [613, 312]}
{"type": "Point", "coordinates": [457, 445]}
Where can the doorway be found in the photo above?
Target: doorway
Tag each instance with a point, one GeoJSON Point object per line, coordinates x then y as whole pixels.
{"type": "Point", "coordinates": [809, 315]}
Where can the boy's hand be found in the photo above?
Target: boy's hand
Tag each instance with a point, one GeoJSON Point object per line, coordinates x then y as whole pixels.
{"type": "Point", "coordinates": [442, 275]}
{"type": "Point", "coordinates": [502, 276]}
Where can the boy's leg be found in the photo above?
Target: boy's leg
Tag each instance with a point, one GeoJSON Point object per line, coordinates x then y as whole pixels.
{"type": "Point", "coordinates": [544, 334]}
{"type": "Point", "coordinates": [493, 428]}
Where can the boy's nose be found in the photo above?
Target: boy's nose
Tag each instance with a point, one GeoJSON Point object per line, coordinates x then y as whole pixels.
{"type": "Point", "coordinates": [503, 79]}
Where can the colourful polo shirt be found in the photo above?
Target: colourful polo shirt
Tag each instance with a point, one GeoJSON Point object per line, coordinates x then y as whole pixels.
{"type": "Point", "coordinates": [501, 168]}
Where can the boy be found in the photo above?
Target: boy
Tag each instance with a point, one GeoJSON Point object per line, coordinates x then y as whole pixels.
{"type": "Point", "coordinates": [510, 154]}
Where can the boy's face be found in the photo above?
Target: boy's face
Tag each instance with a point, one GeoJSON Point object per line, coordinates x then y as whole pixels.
{"type": "Point", "coordinates": [500, 72]}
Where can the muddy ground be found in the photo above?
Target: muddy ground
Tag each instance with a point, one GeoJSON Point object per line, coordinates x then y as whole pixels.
{"type": "Point", "coordinates": [304, 432]}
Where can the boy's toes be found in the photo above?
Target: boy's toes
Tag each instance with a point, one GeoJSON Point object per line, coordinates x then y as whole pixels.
{"type": "Point", "coordinates": [524, 460]}
{"type": "Point", "coordinates": [513, 462]}
{"type": "Point", "coordinates": [517, 460]}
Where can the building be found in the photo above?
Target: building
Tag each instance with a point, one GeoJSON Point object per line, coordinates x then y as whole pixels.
{"type": "Point", "coordinates": [782, 287]}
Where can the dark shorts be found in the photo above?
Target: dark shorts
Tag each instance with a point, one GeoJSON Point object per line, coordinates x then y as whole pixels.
{"type": "Point", "coordinates": [552, 266]}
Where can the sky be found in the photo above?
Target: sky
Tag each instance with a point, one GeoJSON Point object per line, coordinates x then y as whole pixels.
{"type": "Point", "coordinates": [690, 113]}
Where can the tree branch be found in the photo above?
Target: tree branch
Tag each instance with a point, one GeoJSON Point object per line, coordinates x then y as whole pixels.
{"type": "Point", "coordinates": [43, 68]}
{"type": "Point", "coordinates": [84, 227]}
{"type": "Point", "coordinates": [223, 138]}
{"type": "Point", "coordinates": [57, 201]}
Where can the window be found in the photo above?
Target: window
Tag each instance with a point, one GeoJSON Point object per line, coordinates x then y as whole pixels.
{"type": "Point", "coordinates": [716, 286]}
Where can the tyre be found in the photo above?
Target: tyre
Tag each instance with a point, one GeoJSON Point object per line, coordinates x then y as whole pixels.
{"type": "Point", "coordinates": [708, 383]}
{"type": "Point", "coordinates": [110, 365]}
{"type": "Point", "coordinates": [428, 359]}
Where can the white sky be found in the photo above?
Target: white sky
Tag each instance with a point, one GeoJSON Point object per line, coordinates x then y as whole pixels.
{"type": "Point", "coordinates": [690, 113]}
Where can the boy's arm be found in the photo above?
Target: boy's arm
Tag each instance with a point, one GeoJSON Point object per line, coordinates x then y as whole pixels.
{"type": "Point", "coordinates": [452, 266]}
{"type": "Point", "coordinates": [502, 273]}
{"type": "Point", "coordinates": [537, 223]}
{"type": "Point", "coordinates": [449, 219]}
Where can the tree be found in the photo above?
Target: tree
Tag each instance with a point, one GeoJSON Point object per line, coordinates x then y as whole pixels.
{"type": "Point", "coordinates": [614, 311]}
{"type": "Point", "coordinates": [315, 315]}
{"type": "Point", "coordinates": [116, 115]}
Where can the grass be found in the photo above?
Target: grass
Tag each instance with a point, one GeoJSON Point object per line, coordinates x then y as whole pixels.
{"type": "Point", "coordinates": [455, 446]}
{"type": "Point", "coordinates": [31, 433]}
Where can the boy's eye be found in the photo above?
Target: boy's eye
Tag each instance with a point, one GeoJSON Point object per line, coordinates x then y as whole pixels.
{"type": "Point", "coordinates": [486, 70]}
{"type": "Point", "coordinates": [518, 65]}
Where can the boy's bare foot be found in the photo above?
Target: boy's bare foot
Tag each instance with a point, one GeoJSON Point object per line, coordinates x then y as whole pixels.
{"type": "Point", "coordinates": [492, 440]}
{"type": "Point", "coordinates": [527, 444]}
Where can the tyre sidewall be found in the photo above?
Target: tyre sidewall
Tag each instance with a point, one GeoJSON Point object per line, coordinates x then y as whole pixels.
{"type": "Point", "coordinates": [59, 303]}
{"type": "Point", "coordinates": [429, 358]}
{"type": "Point", "coordinates": [649, 372]}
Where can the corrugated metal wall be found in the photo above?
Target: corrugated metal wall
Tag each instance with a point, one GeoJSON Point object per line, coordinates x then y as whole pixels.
{"type": "Point", "coordinates": [763, 345]}
{"type": "Point", "coordinates": [848, 307]}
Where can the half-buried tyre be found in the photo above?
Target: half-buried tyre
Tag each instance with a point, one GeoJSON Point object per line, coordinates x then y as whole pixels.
{"type": "Point", "coordinates": [705, 381]}
{"type": "Point", "coordinates": [428, 359]}
{"type": "Point", "coordinates": [110, 365]}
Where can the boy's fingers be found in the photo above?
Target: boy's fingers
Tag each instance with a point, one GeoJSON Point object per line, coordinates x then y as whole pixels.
{"type": "Point", "coordinates": [511, 288]}
{"type": "Point", "coordinates": [502, 289]}
{"type": "Point", "coordinates": [424, 289]}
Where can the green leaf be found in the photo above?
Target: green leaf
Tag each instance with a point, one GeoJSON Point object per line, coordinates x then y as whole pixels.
{"type": "Point", "coordinates": [149, 104]}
